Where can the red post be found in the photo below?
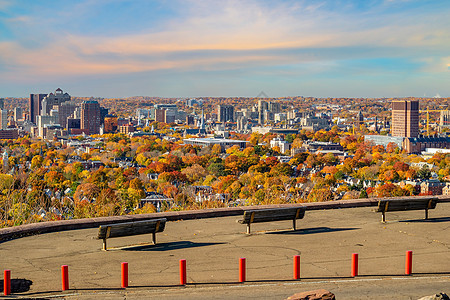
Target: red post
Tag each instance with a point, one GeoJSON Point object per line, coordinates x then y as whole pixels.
{"type": "Point", "coordinates": [354, 264]}
{"type": "Point", "coordinates": [296, 266]}
{"type": "Point", "coordinates": [65, 277]}
{"type": "Point", "coordinates": [408, 264]}
{"type": "Point", "coordinates": [124, 275]}
{"type": "Point", "coordinates": [241, 269]}
{"type": "Point", "coordinates": [182, 271]}
{"type": "Point", "coordinates": [7, 282]}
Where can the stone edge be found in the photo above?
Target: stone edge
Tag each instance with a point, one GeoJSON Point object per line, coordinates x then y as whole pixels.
{"type": "Point", "coordinates": [74, 224]}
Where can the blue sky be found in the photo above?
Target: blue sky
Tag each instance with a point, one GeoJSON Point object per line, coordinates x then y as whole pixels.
{"type": "Point", "coordinates": [194, 48]}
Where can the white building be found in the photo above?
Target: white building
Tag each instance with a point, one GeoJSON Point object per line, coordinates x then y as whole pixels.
{"type": "Point", "coordinates": [280, 143]}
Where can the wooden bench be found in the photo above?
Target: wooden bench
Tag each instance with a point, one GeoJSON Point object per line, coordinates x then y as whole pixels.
{"type": "Point", "coordinates": [272, 214]}
{"type": "Point", "coordinates": [386, 205]}
{"type": "Point", "coordinates": [131, 228]}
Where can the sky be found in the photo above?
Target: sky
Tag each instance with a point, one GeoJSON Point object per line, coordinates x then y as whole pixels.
{"type": "Point", "coordinates": [225, 48]}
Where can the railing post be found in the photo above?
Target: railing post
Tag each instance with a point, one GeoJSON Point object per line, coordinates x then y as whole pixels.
{"type": "Point", "coordinates": [242, 270]}
{"type": "Point", "coordinates": [354, 264]}
{"type": "Point", "coordinates": [65, 277]}
{"type": "Point", "coordinates": [408, 264]}
{"type": "Point", "coordinates": [296, 266]}
{"type": "Point", "coordinates": [124, 275]}
{"type": "Point", "coordinates": [7, 282]}
{"type": "Point", "coordinates": [182, 272]}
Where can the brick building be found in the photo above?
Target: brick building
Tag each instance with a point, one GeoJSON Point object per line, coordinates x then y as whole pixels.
{"type": "Point", "coordinates": [405, 118]}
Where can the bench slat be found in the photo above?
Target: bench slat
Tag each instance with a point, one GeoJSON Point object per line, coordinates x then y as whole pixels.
{"type": "Point", "coordinates": [269, 215]}
{"type": "Point", "coordinates": [131, 228]}
{"type": "Point", "coordinates": [402, 205]}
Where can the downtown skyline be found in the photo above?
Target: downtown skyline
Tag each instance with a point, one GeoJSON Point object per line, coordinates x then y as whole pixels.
{"type": "Point", "coordinates": [225, 48]}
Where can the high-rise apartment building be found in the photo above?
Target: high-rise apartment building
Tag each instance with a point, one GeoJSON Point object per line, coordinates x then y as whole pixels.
{"type": "Point", "coordinates": [90, 117]}
{"type": "Point", "coordinates": [405, 118]}
{"type": "Point", "coordinates": [225, 113]}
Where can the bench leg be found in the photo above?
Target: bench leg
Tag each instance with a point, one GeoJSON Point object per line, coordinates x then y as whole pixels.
{"type": "Point", "coordinates": [294, 227]}
{"type": "Point", "coordinates": [154, 238]}
{"type": "Point", "coordinates": [248, 228]}
{"type": "Point", "coordinates": [104, 245]}
{"type": "Point", "coordinates": [426, 213]}
{"type": "Point", "coordinates": [383, 217]}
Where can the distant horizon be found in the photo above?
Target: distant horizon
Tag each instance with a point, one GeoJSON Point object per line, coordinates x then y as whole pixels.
{"type": "Point", "coordinates": [249, 97]}
{"type": "Point", "coordinates": [173, 49]}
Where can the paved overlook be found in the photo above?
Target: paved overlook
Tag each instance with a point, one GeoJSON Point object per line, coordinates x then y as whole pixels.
{"type": "Point", "coordinates": [325, 241]}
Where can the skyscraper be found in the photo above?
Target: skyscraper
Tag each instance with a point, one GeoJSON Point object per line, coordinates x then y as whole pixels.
{"type": "Point", "coordinates": [262, 107]}
{"type": "Point", "coordinates": [4, 118]}
{"type": "Point", "coordinates": [225, 113]}
{"type": "Point", "coordinates": [65, 110]}
{"type": "Point", "coordinates": [17, 113]}
{"type": "Point", "coordinates": [405, 118]}
{"type": "Point", "coordinates": [90, 117]}
{"type": "Point", "coordinates": [35, 105]}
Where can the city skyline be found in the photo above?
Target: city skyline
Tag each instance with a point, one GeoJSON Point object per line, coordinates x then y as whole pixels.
{"type": "Point", "coordinates": [225, 48]}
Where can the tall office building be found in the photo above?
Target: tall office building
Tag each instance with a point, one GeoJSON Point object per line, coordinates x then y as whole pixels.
{"type": "Point", "coordinates": [225, 113]}
{"type": "Point", "coordinates": [262, 107]}
{"type": "Point", "coordinates": [65, 110]}
{"type": "Point", "coordinates": [4, 118]}
{"type": "Point", "coordinates": [90, 117]}
{"type": "Point", "coordinates": [160, 115]}
{"type": "Point", "coordinates": [405, 118]}
{"type": "Point", "coordinates": [35, 105]}
{"type": "Point", "coordinates": [53, 99]}
{"type": "Point", "coordinates": [2, 103]}
{"type": "Point", "coordinates": [18, 113]}
{"type": "Point", "coordinates": [275, 107]}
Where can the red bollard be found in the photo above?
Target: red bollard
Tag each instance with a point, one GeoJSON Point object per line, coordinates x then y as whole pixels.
{"type": "Point", "coordinates": [65, 277]}
{"type": "Point", "coordinates": [354, 264]}
{"type": "Point", "coordinates": [124, 275]}
{"type": "Point", "coordinates": [241, 269]}
{"type": "Point", "coordinates": [7, 282]}
{"type": "Point", "coordinates": [296, 266]}
{"type": "Point", "coordinates": [182, 272]}
{"type": "Point", "coordinates": [408, 264]}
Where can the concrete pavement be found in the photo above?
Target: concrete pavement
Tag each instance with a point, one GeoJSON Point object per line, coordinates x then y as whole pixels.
{"type": "Point", "coordinates": [212, 247]}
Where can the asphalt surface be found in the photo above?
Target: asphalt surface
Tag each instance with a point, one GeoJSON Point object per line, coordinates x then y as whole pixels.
{"type": "Point", "coordinates": [325, 241]}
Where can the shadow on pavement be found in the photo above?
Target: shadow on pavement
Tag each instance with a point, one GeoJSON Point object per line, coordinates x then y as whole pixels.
{"type": "Point", "coordinates": [311, 230]}
{"type": "Point", "coordinates": [429, 220]}
{"type": "Point", "coordinates": [168, 246]}
{"type": "Point", "coordinates": [18, 285]}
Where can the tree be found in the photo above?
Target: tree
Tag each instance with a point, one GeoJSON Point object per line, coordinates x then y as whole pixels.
{"type": "Point", "coordinates": [217, 169]}
{"type": "Point", "coordinates": [194, 172]}
{"type": "Point", "coordinates": [424, 173]}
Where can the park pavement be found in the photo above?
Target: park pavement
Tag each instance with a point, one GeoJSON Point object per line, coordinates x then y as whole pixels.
{"type": "Point", "coordinates": [325, 241]}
